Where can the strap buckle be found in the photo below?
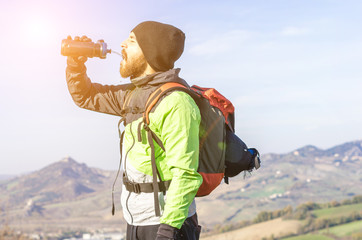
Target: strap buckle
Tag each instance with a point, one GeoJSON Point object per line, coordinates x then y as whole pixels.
{"type": "Point", "coordinates": [145, 126]}
{"type": "Point", "coordinates": [136, 188]}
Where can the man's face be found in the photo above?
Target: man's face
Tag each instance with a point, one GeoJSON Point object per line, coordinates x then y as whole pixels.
{"type": "Point", "coordinates": [134, 63]}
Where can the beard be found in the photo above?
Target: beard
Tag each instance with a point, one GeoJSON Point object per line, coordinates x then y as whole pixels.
{"type": "Point", "coordinates": [132, 67]}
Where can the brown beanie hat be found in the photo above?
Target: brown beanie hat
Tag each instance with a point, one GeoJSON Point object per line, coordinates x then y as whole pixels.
{"type": "Point", "coordinates": [161, 44]}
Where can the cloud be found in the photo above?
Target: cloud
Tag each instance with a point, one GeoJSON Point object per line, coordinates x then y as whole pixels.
{"type": "Point", "coordinates": [294, 31]}
{"type": "Point", "coordinates": [220, 44]}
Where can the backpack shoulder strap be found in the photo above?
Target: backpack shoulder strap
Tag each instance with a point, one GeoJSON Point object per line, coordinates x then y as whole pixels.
{"type": "Point", "coordinates": [156, 96]}
{"type": "Point", "coordinates": [150, 104]}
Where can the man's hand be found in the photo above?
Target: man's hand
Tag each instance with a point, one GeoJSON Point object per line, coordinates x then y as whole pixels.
{"type": "Point", "coordinates": [167, 232]}
{"type": "Point", "coordinates": [75, 62]}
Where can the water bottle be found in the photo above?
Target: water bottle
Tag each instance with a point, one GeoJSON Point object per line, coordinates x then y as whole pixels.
{"type": "Point", "coordinates": [87, 49]}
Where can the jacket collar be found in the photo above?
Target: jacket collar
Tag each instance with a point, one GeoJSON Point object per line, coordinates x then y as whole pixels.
{"type": "Point", "coordinates": [159, 78]}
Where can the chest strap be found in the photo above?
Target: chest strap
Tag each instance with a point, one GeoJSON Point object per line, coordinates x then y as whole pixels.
{"type": "Point", "coordinates": [144, 187]}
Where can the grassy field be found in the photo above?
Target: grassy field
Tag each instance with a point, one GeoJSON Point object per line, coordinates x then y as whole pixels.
{"type": "Point", "coordinates": [345, 229]}
{"type": "Point", "coordinates": [340, 231]}
{"type": "Point", "coordinates": [276, 227]}
{"type": "Point", "coordinates": [279, 228]}
{"type": "Point", "coordinates": [337, 211]}
{"type": "Point", "coordinates": [279, 186]}
{"type": "Point", "coordinates": [309, 237]}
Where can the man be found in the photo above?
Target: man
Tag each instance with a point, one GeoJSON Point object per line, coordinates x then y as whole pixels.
{"type": "Point", "coordinates": [149, 54]}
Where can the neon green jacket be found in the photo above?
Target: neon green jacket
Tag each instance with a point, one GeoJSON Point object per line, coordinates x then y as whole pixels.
{"type": "Point", "coordinates": [175, 121]}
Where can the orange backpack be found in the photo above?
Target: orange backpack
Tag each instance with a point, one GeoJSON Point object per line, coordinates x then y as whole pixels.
{"type": "Point", "coordinates": [222, 154]}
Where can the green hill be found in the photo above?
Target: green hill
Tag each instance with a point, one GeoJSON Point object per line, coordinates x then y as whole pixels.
{"type": "Point", "coordinates": [312, 221]}
{"type": "Point", "coordinates": [306, 174]}
{"type": "Point", "coordinates": [336, 212]}
{"type": "Point", "coordinates": [348, 229]}
{"type": "Point", "coordinates": [70, 195]}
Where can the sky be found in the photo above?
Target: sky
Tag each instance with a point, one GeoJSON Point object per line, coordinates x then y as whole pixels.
{"type": "Point", "coordinates": [291, 68]}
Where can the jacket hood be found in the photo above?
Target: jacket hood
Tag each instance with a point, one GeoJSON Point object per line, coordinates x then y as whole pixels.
{"type": "Point", "coordinates": [158, 78]}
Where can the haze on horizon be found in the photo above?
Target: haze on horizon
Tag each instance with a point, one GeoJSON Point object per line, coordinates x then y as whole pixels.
{"type": "Point", "coordinates": [292, 69]}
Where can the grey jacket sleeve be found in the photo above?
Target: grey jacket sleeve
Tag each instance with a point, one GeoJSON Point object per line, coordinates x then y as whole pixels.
{"type": "Point", "coordinates": [93, 96]}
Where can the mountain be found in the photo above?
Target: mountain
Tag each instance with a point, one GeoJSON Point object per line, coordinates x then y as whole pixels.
{"type": "Point", "coordinates": [70, 195]}
{"type": "Point", "coordinates": [64, 193]}
{"type": "Point", "coordinates": [306, 174]}
{"type": "Point", "coordinates": [62, 181]}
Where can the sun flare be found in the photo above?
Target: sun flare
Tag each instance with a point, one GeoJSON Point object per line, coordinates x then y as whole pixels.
{"type": "Point", "coordinates": [37, 28]}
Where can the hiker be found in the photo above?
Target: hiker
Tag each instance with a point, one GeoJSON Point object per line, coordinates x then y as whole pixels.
{"type": "Point", "coordinates": [149, 54]}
